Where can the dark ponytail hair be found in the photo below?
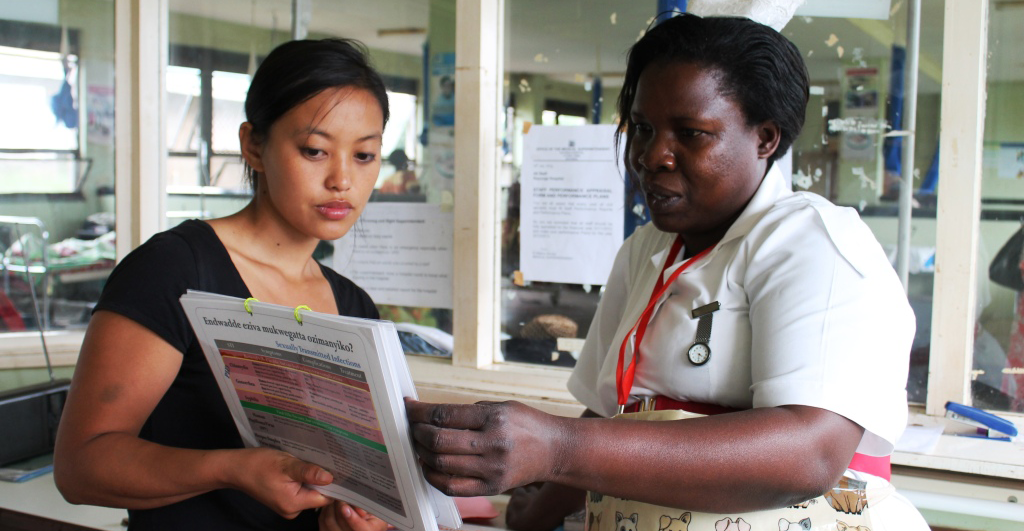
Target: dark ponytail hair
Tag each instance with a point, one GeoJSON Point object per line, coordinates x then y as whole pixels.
{"type": "Point", "coordinates": [299, 70]}
{"type": "Point", "coordinates": [759, 68]}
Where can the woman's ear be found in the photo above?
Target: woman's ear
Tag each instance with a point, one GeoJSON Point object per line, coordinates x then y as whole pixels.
{"type": "Point", "coordinates": [251, 148]}
{"type": "Point", "coordinates": [768, 136]}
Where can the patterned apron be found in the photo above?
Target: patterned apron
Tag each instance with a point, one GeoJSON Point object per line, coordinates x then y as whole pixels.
{"type": "Point", "coordinates": [846, 507]}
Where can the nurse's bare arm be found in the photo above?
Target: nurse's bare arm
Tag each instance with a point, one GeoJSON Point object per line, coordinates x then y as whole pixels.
{"type": "Point", "coordinates": [123, 371]}
{"type": "Point", "coordinates": [750, 460]}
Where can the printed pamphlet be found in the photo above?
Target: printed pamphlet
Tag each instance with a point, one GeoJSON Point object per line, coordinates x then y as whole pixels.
{"type": "Point", "coordinates": [328, 389]}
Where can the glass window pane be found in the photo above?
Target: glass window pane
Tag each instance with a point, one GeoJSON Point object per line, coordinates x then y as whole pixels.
{"type": "Point", "coordinates": [563, 67]}
{"type": "Point", "coordinates": [401, 249]}
{"type": "Point", "coordinates": [56, 164]}
{"type": "Point", "coordinates": [182, 108]}
{"type": "Point", "coordinates": [554, 56]}
{"type": "Point", "coordinates": [998, 372]}
{"type": "Point", "coordinates": [213, 54]}
{"type": "Point", "coordinates": [400, 146]}
{"type": "Point", "coordinates": [229, 89]}
{"type": "Point", "coordinates": [38, 90]}
{"type": "Point", "coordinates": [851, 151]}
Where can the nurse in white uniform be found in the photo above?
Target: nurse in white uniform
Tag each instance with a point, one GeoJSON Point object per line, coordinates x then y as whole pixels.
{"type": "Point", "coordinates": [774, 313]}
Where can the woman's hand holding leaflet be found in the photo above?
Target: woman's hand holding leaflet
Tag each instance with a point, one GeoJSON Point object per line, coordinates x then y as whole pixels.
{"type": "Point", "coordinates": [101, 460]}
{"type": "Point", "coordinates": [278, 480]}
{"type": "Point", "coordinates": [340, 516]}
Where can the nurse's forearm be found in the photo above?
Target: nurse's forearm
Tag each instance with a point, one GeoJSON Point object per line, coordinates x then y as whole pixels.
{"type": "Point", "coordinates": [750, 460]}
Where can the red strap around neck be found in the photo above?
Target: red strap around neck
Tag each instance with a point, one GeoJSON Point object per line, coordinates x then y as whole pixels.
{"type": "Point", "coordinates": [624, 378]}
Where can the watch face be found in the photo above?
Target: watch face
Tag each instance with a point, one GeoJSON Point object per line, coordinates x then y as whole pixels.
{"type": "Point", "coordinates": [699, 353]}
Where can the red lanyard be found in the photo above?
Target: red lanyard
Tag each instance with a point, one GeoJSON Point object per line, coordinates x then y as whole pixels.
{"type": "Point", "coordinates": [624, 379]}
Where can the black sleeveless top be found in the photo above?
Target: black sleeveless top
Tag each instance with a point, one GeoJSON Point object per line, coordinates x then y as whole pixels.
{"type": "Point", "coordinates": [145, 287]}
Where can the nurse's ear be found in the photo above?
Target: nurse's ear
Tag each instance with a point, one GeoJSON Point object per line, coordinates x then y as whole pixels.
{"type": "Point", "coordinates": [252, 147]}
{"type": "Point", "coordinates": [768, 136]}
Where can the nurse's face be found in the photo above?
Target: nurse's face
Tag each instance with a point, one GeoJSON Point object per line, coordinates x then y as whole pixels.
{"type": "Point", "coordinates": [319, 162]}
{"type": "Point", "coordinates": [698, 160]}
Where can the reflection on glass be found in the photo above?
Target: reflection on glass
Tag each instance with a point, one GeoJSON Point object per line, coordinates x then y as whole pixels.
{"type": "Point", "coordinates": [190, 142]}
{"type": "Point", "coordinates": [400, 148]}
{"type": "Point", "coordinates": [564, 67]}
{"type": "Point", "coordinates": [401, 250]}
{"type": "Point", "coordinates": [183, 89]}
{"type": "Point", "coordinates": [36, 84]}
{"type": "Point", "coordinates": [851, 148]}
{"type": "Point", "coordinates": [56, 163]}
{"type": "Point", "coordinates": [229, 89]}
{"type": "Point", "coordinates": [998, 377]}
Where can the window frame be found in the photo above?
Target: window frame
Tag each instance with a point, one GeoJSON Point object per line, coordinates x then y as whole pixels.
{"type": "Point", "coordinates": [963, 113]}
{"type": "Point", "coordinates": [473, 374]}
{"type": "Point", "coordinates": [140, 160]}
{"type": "Point", "coordinates": [958, 217]}
{"type": "Point", "coordinates": [207, 61]}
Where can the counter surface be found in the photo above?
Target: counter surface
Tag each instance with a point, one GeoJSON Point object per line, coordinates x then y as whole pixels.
{"type": "Point", "coordinates": [39, 497]}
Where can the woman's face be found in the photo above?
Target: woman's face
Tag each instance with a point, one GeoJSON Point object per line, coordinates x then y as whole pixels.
{"type": "Point", "coordinates": [697, 159]}
{"type": "Point", "coordinates": [319, 162]}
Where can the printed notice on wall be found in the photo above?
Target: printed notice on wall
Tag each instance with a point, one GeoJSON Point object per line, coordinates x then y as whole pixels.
{"type": "Point", "coordinates": [572, 199]}
{"type": "Point", "coordinates": [400, 253]}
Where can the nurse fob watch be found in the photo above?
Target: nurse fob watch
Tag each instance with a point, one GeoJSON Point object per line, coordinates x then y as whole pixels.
{"type": "Point", "coordinates": [699, 352]}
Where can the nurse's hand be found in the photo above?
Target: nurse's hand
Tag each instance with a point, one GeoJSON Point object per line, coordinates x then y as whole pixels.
{"type": "Point", "coordinates": [485, 448]}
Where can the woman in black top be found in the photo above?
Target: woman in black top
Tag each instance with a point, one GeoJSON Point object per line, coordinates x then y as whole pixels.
{"type": "Point", "coordinates": [145, 427]}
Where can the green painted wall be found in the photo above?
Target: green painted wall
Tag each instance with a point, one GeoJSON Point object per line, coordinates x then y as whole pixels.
{"type": "Point", "coordinates": [14, 378]}
{"type": "Point", "coordinates": [191, 30]}
{"type": "Point", "coordinates": [1004, 123]}
{"type": "Point", "coordinates": [441, 23]}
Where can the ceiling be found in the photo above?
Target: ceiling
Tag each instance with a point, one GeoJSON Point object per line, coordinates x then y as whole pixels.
{"type": "Point", "coordinates": [573, 39]}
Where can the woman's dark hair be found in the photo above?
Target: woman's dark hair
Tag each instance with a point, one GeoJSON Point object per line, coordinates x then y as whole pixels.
{"type": "Point", "coordinates": [299, 70]}
{"type": "Point", "coordinates": [759, 68]}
